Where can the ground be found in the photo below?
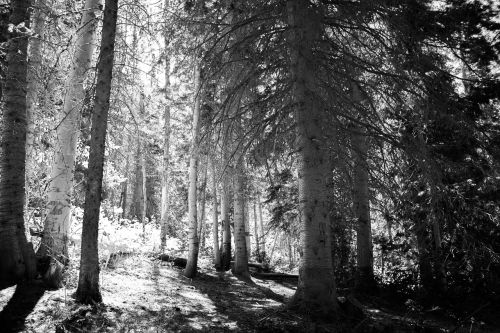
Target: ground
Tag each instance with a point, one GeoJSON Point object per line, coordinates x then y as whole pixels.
{"type": "Point", "coordinates": [142, 294]}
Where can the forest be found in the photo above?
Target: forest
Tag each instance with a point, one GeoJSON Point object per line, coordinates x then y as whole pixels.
{"type": "Point", "coordinates": [249, 166]}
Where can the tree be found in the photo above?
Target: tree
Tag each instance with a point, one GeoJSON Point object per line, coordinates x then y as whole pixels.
{"type": "Point", "coordinates": [316, 289]}
{"type": "Point", "coordinates": [17, 260]}
{"type": "Point", "coordinates": [361, 201]}
{"type": "Point", "coordinates": [56, 226]}
{"type": "Point", "coordinates": [215, 221]}
{"type": "Point", "coordinates": [34, 70]}
{"type": "Point", "coordinates": [165, 188]}
{"type": "Point", "coordinates": [202, 195]}
{"type": "Point", "coordinates": [240, 234]}
{"type": "Point", "coordinates": [88, 282]}
{"type": "Point", "coordinates": [194, 242]}
{"type": "Point", "coordinates": [262, 239]}
{"type": "Point", "coordinates": [256, 229]}
{"type": "Point", "coordinates": [226, 222]}
{"type": "Point", "coordinates": [140, 193]}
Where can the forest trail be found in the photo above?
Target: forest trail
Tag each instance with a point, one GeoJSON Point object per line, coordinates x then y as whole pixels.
{"type": "Point", "coordinates": [146, 295]}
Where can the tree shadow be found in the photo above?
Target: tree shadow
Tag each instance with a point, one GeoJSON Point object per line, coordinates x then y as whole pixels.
{"type": "Point", "coordinates": [21, 304]}
{"type": "Point", "coordinates": [244, 302]}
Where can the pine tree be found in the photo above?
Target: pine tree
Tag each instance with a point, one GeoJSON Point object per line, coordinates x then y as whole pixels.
{"type": "Point", "coordinates": [316, 289]}
{"type": "Point", "coordinates": [17, 261]}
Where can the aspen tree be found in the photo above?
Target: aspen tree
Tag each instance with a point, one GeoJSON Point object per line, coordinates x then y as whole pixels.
{"type": "Point", "coordinates": [56, 226]}
{"type": "Point", "coordinates": [88, 280]}
{"type": "Point", "coordinates": [194, 242]}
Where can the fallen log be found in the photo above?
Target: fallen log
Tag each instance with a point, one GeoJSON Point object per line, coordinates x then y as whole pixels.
{"type": "Point", "coordinates": [275, 276]}
{"type": "Point", "coordinates": [177, 261]}
{"type": "Point", "coordinates": [258, 266]}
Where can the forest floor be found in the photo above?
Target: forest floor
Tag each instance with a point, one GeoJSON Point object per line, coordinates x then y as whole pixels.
{"type": "Point", "coordinates": [146, 295]}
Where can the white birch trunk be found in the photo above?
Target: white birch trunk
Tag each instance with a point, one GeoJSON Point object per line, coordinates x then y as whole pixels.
{"type": "Point", "coordinates": [57, 223]}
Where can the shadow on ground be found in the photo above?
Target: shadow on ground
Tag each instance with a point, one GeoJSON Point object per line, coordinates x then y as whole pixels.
{"type": "Point", "coordinates": [21, 304]}
{"type": "Point", "coordinates": [253, 307]}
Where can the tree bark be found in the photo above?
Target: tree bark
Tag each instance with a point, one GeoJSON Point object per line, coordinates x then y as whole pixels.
{"type": "Point", "coordinates": [248, 234]}
{"type": "Point", "coordinates": [316, 289]}
{"type": "Point", "coordinates": [240, 237]}
{"type": "Point", "coordinates": [424, 257]}
{"type": "Point", "coordinates": [165, 198]}
{"type": "Point", "coordinates": [215, 221]}
{"type": "Point", "coordinates": [17, 260]}
{"type": "Point", "coordinates": [256, 230]}
{"type": "Point", "coordinates": [88, 282]}
{"type": "Point", "coordinates": [290, 251]}
{"type": "Point", "coordinates": [194, 244]}
{"type": "Point", "coordinates": [365, 280]}
{"type": "Point", "coordinates": [144, 196]}
{"type": "Point", "coordinates": [226, 223]}
{"type": "Point", "coordinates": [57, 223]}
{"type": "Point", "coordinates": [262, 231]}
{"type": "Point", "coordinates": [202, 202]}
{"type": "Point", "coordinates": [33, 77]}
{"type": "Point", "coordinates": [125, 186]}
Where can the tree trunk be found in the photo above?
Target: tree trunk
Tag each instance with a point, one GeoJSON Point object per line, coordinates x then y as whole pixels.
{"type": "Point", "coordinates": [262, 231]}
{"type": "Point", "coordinates": [316, 289]}
{"type": "Point", "coordinates": [248, 234]}
{"type": "Point", "coordinates": [439, 261]}
{"type": "Point", "coordinates": [16, 254]}
{"type": "Point", "coordinates": [256, 231]}
{"type": "Point", "coordinates": [144, 197]}
{"type": "Point", "coordinates": [240, 240]}
{"type": "Point", "coordinates": [202, 201]}
{"type": "Point", "coordinates": [125, 186]}
{"type": "Point", "coordinates": [365, 281]}
{"type": "Point", "coordinates": [88, 282]}
{"type": "Point", "coordinates": [290, 251]}
{"type": "Point", "coordinates": [141, 176]}
{"type": "Point", "coordinates": [215, 221]}
{"type": "Point", "coordinates": [226, 223]}
{"type": "Point", "coordinates": [424, 246]}
{"type": "Point", "coordinates": [192, 263]}
{"type": "Point", "coordinates": [33, 79]}
{"type": "Point", "coordinates": [57, 223]}
{"type": "Point", "coordinates": [165, 198]}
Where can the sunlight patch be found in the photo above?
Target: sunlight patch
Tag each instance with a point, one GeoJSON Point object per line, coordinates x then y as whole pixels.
{"type": "Point", "coordinates": [6, 295]}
